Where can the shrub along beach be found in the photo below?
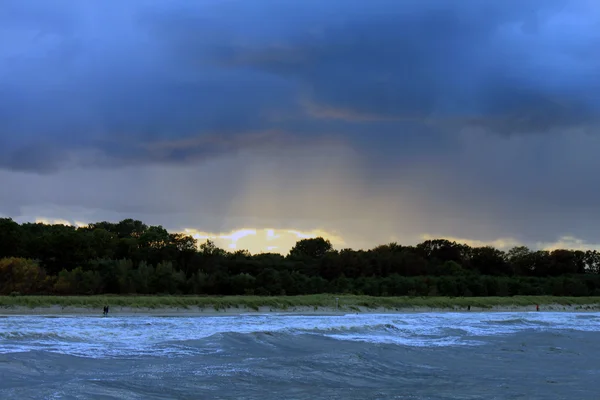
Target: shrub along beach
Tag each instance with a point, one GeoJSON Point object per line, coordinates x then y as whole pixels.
{"type": "Point", "coordinates": [308, 304]}
{"type": "Point", "coordinates": [133, 266]}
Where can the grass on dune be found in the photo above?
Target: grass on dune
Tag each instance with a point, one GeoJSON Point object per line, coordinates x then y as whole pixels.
{"type": "Point", "coordinates": [349, 302]}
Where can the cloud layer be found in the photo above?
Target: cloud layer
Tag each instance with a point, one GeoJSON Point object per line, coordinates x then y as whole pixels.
{"type": "Point", "coordinates": [374, 121]}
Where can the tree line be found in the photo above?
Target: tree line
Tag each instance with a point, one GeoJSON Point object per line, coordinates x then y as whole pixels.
{"type": "Point", "coordinates": [130, 257]}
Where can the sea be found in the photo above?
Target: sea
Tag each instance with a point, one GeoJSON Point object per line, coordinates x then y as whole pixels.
{"type": "Point", "coordinates": [517, 355]}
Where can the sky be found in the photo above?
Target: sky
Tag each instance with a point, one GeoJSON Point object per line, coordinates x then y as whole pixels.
{"type": "Point", "coordinates": [260, 122]}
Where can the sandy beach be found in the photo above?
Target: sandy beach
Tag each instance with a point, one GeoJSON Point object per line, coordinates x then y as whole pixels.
{"type": "Point", "coordinates": [300, 310]}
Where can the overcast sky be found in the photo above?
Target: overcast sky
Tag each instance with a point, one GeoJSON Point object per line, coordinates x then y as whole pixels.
{"type": "Point", "coordinates": [367, 121]}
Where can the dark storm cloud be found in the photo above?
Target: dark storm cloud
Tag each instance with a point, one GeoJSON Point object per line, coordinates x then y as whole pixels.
{"type": "Point", "coordinates": [507, 66]}
{"type": "Point", "coordinates": [89, 84]}
{"type": "Point", "coordinates": [103, 88]}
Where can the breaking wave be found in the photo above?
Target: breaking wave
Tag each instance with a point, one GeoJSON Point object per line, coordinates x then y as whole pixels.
{"type": "Point", "coordinates": [186, 336]}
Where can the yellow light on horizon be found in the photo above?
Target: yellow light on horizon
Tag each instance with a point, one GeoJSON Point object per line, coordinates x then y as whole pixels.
{"type": "Point", "coordinates": [59, 221]}
{"type": "Point", "coordinates": [262, 240]}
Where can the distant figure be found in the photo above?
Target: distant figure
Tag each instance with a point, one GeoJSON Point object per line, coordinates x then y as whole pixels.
{"type": "Point", "coordinates": [469, 308]}
{"type": "Point", "coordinates": [104, 311]}
{"type": "Point", "coordinates": [537, 307]}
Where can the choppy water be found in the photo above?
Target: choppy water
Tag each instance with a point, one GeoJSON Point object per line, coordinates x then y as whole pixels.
{"type": "Point", "coordinates": [365, 356]}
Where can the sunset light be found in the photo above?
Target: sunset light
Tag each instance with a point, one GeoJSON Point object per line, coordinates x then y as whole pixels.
{"type": "Point", "coordinates": [261, 240]}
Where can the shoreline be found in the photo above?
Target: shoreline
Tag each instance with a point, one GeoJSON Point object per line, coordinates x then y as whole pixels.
{"type": "Point", "coordinates": [323, 304]}
{"type": "Point", "coordinates": [195, 311]}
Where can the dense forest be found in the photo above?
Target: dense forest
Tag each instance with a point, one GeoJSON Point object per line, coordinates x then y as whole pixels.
{"type": "Point", "coordinates": [131, 257]}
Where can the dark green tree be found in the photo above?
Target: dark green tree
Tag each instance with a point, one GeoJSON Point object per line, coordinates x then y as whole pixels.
{"type": "Point", "coordinates": [314, 248]}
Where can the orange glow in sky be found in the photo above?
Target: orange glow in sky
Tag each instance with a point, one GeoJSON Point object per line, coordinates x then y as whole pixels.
{"type": "Point", "coordinates": [268, 240]}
